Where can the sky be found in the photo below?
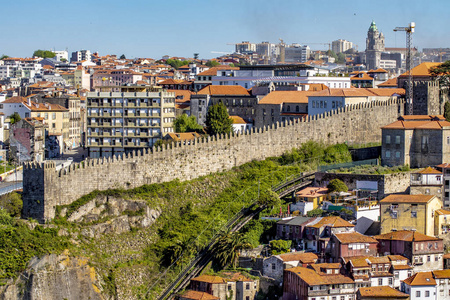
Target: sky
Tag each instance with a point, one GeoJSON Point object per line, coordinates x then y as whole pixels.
{"type": "Point", "coordinates": [152, 29]}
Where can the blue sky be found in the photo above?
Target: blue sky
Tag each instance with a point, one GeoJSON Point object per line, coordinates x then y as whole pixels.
{"type": "Point", "coordinates": [147, 28]}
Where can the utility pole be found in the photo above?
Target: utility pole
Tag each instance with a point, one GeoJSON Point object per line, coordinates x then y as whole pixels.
{"type": "Point", "coordinates": [409, 91]}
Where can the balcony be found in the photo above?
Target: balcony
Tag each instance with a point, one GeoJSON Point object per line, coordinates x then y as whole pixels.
{"type": "Point", "coordinates": [93, 144]}
{"type": "Point", "coordinates": [131, 104]}
{"type": "Point", "coordinates": [104, 115]}
{"type": "Point", "coordinates": [129, 115]}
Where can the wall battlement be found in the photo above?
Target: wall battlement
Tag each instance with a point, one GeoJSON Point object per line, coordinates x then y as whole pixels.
{"type": "Point", "coordinates": [45, 186]}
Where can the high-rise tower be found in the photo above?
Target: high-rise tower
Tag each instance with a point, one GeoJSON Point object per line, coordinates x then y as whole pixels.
{"type": "Point", "coordinates": [374, 47]}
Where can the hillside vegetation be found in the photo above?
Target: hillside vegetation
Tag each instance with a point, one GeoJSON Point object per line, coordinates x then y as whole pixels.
{"type": "Point", "coordinates": [138, 263]}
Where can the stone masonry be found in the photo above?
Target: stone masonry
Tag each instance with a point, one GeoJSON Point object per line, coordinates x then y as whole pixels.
{"type": "Point", "coordinates": [45, 187]}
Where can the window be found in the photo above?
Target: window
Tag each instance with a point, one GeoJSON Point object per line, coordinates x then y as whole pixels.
{"type": "Point", "coordinates": [273, 266]}
{"type": "Point", "coordinates": [388, 139]}
{"type": "Point", "coordinates": [417, 293]}
{"type": "Point", "coordinates": [388, 154]}
{"type": "Point", "coordinates": [297, 108]}
{"type": "Point", "coordinates": [425, 143]}
{"type": "Point", "coordinates": [380, 281]}
{"type": "Point", "coordinates": [288, 108]}
{"type": "Point", "coordinates": [448, 140]}
{"type": "Point", "coordinates": [46, 116]}
{"type": "Point", "coordinates": [53, 116]}
{"type": "Point", "coordinates": [414, 214]}
{"type": "Point", "coordinates": [397, 154]}
{"type": "Point", "coordinates": [428, 258]}
{"type": "Point", "coordinates": [397, 139]}
{"type": "Point", "coordinates": [427, 293]}
{"type": "Point", "coordinates": [247, 286]}
{"type": "Point", "coordinates": [390, 281]}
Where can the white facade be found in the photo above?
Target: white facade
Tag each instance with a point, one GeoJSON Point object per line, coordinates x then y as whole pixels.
{"type": "Point", "coordinates": [302, 207]}
{"type": "Point", "coordinates": [61, 54]}
{"type": "Point", "coordinates": [10, 108]}
{"type": "Point", "coordinates": [421, 292]}
{"type": "Point", "coordinates": [251, 78]}
{"type": "Point", "coordinates": [340, 45]}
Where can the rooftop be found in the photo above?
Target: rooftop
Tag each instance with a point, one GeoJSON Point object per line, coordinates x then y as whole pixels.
{"type": "Point", "coordinates": [421, 278]}
{"type": "Point", "coordinates": [404, 198]}
{"type": "Point", "coordinates": [407, 236]}
{"type": "Point", "coordinates": [354, 237]}
{"type": "Point", "coordinates": [301, 257]}
{"type": "Point", "coordinates": [279, 97]}
{"type": "Point", "coordinates": [311, 277]}
{"type": "Point", "coordinates": [381, 292]}
{"type": "Point", "coordinates": [224, 90]}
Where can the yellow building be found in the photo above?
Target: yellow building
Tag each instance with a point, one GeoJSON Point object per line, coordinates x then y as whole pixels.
{"type": "Point", "coordinates": [409, 212]}
{"type": "Point", "coordinates": [55, 116]}
{"type": "Point", "coordinates": [441, 222]}
{"type": "Point", "coordinates": [315, 195]}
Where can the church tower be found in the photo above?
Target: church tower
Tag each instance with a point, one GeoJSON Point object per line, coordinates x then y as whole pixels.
{"type": "Point", "coordinates": [374, 47]}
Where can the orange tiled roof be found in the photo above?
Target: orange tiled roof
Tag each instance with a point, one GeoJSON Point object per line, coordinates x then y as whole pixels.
{"type": "Point", "coordinates": [433, 125]}
{"type": "Point", "coordinates": [301, 257]}
{"type": "Point", "coordinates": [363, 77]}
{"type": "Point", "coordinates": [238, 120]}
{"type": "Point", "coordinates": [387, 91]}
{"type": "Point", "coordinates": [390, 82]}
{"type": "Point", "coordinates": [348, 92]}
{"type": "Point", "coordinates": [185, 136]}
{"type": "Point", "coordinates": [333, 221]}
{"type": "Point", "coordinates": [354, 237]}
{"type": "Point", "coordinates": [421, 278]}
{"type": "Point", "coordinates": [194, 295]}
{"type": "Point", "coordinates": [213, 71]}
{"type": "Point", "coordinates": [421, 70]}
{"type": "Point", "coordinates": [224, 90]}
{"type": "Point", "coordinates": [429, 170]}
{"type": "Point", "coordinates": [441, 274]}
{"type": "Point", "coordinates": [312, 192]}
{"type": "Point", "coordinates": [279, 97]}
{"type": "Point", "coordinates": [209, 279]}
{"type": "Point", "coordinates": [381, 292]}
{"type": "Point", "coordinates": [442, 212]}
{"type": "Point", "coordinates": [404, 198]}
{"type": "Point", "coordinates": [407, 236]}
{"type": "Point", "coordinates": [446, 255]}
{"type": "Point", "coordinates": [312, 278]}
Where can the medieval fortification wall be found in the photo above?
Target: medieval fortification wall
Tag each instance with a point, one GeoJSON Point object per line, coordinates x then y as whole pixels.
{"type": "Point", "coordinates": [45, 187]}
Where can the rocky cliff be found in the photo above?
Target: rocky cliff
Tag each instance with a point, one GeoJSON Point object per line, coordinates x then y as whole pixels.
{"type": "Point", "coordinates": [54, 277]}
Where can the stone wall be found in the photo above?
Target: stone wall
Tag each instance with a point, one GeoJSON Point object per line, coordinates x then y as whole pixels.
{"type": "Point", "coordinates": [45, 187]}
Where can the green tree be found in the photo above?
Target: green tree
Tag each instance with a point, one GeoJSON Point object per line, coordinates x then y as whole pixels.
{"type": "Point", "coordinates": [195, 56]}
{"type": "Point", "coordinates": [269, 198]}
{"type": "Point", "coordinates": [226, 250]}
{"type": "Point", "coordinates": [447, 111]}
{"type": "Point", "coordinates": [186, 124]}
{"type": "Point", "coordinates": [280, 246]}
{"type": "Point", "coordinates": [12, 203]}
{"type": "Point", "coordinates": [4, 56]}
{"type": "Point", "coordinates": [14, 118]}
{"type": "Point", "coordinates": [176, 63]}
{"type": "Point", "coordinates": [340, 58]}
{"type": "Point", "coordinates": [337, 185]}
{"type": "Point", "coordinates": [331, 53]}
{"type": "Point", "coordinates": [442, 73]}
{"type": "Point", "coordinates": [44, 53]}
{"type": "Point", "coordinates": [217, 120]}
{"type": "Point", "coordinates": [212, 63]}
{"type": "Point", "coordinates": [315, 212]}
{"type": "Point", "coordinates": [123, 56]}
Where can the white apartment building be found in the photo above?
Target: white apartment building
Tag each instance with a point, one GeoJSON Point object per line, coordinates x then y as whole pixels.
{"type": "Point", "coordinates": [121, 122]}
{"type": "Point", "coordinates": [340, 45]}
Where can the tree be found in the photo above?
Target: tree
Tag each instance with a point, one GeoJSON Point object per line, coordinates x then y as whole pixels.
{"type": "Point", "coordinates": [315, 212]}
{"type": "Point", "coordinates": [337, 185]}
{"type": "Point", "coordinates": [447, 111]}
{"type": "Point", "coordinates": [176, 63]}
{"type": "Point", "coordinates": [442, 73]}
{"type": "Point", "coordinates": [123, 56]}
{"type": "Point", "coordinates": [217, 120]}
{"type": "Point", "coordinates": [280, 246]}
{"type": "Point", "coordinates": [14, 118]}
{"type": "Point", "coordinates": [269, 198]}
{"type": "Point", "coordinates": [4, 56]}
{"type": "Point", "coordinates": [195, 56]}
{"type": "Point", "coordinates": [44, 53]}
{"type": "Point", "coordinates": [12, 203]}
{"type": "Point", "coordinates": [186, 124]}
{"type": "Point", "coordinates": [331, 53]}
{"type": "Point", "coordinates": [340, 58]}
{"type": "Point", "coordinates": [212, 63]}
{"type": "Point", "coordinates": [226, 250]}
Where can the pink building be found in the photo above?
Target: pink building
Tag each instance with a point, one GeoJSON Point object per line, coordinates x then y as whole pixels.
{"type": "Point", "coordinates": [115, 77]}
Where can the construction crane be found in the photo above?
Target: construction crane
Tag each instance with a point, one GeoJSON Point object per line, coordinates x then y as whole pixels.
{"type": "Point", "coordinates": [409, 91]}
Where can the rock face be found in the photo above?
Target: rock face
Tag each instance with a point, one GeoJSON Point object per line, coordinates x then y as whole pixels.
{"type": "Point", "coordinates": [54, 277]}
{"type": "Point", "coordinates": [109, 214]}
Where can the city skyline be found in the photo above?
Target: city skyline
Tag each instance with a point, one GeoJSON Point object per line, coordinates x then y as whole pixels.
{"type": "Point", "coordinates": [154, 29]}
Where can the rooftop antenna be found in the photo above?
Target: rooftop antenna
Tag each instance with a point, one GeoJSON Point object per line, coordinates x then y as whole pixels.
{"type": "Point", "coordinates": [409, 91]}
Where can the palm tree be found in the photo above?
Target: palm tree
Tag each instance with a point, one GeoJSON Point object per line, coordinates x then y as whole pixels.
{"type": "Point", "coordinates": [226, 250]}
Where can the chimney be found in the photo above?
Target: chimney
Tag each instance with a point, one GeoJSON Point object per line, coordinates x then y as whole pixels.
{"type": "Point", "coordinates": [28, 101]}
